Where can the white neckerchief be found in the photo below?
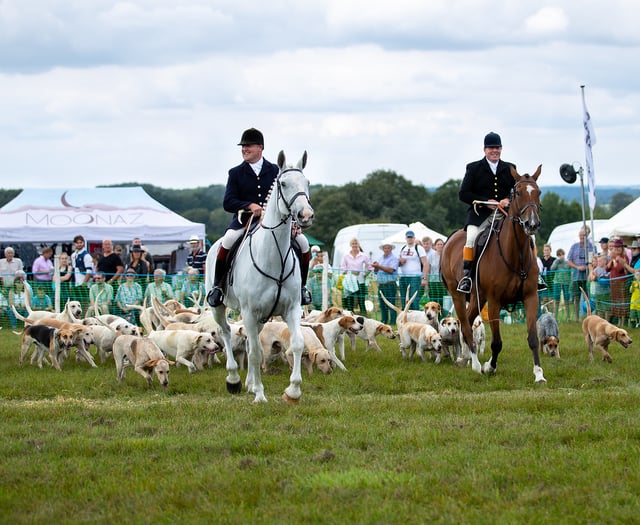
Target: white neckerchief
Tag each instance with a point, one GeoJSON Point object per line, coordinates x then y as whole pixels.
{"type": "Point", "coordinates": [257, 166]}
{"type": "Point", "coordinates": [493, 166]}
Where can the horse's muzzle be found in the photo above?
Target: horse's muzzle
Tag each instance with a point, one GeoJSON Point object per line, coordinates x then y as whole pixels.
{"type": "Point", "coordinates": [305, 218]}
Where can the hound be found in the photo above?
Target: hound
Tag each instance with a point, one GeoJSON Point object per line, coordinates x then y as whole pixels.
{"type": "Point", "coordinates": [406, 315]}
{"type": "Point", "coordinates": [317, 316]}
{"type": "Point", "coordinates": [600, 333]}
{"type": "Point", "coordinates": [418, 337]}
{"type": "Point", "coordinates": [479, 334]}
{"type": "Point", "coordinates": [449, 329]}
{"type": "Point", "coordinates": [331, 332]}
{"type": "Point", "coordinates": [548, 335]}
{"type": "Point", "coordinates": [47, 339]}
{"type": "Point", "coordinates": [182, 345]}
{"type": "Point", "coordinates": [82, 338]}
{"type": "Point", "coordinates": [144, 355]}
{"type": "Point", "coordinates": [72, 313]}
{"type": "Point", "coordinates": [371, 329]}
{"type": "Point", "coordinates": [432, 312]}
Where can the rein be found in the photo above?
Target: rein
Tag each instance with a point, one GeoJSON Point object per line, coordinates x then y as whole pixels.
{"type": "Point", "coordinates": [280, 279]}
{"type": "Point", "coordinates": [516, 218]}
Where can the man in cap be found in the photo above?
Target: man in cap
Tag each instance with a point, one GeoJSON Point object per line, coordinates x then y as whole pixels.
{"type": "Point", "coordinates": [413, 270]}
{"type": "Point", "coordinates": [387, 276]}
{"type": "Point", "coordinates": [247, 188]}
{"type": "Point", "coordinates": [488, 180]}
{"type": "Point", "coordinates": [197, 258]}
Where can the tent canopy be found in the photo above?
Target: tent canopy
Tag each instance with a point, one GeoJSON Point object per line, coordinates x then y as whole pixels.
{"type": "Point", "coordinates": [119, 214]}
{"type": "Point", "coordinates": [625, 223]}
{"type": "Point", "coordinates": [419, 229]}
{"type": "Point", "coordinates": [565, 235]}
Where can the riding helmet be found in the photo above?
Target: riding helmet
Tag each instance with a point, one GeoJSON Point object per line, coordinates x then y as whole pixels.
{"type": "Point", "coordinates": [251, 136]}
{"type": "Point", "coordinates": [492, 140]}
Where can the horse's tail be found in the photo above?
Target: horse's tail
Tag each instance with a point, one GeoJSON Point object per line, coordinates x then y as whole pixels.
{"type": "Point", "coordinates": [586, 300]}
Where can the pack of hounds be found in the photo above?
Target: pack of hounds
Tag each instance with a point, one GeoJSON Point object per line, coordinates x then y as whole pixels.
{"type": "Point", "coordinates": [176, 335]}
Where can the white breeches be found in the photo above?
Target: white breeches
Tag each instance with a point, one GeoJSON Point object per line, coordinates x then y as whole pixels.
{"type": "Point", "coordinates": [472, 233]}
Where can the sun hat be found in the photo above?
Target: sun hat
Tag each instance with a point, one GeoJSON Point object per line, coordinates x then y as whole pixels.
{"type": "Point", "coordinates": [635, 245]}
{"type": "Point", "coordinates": [386, 244]}
{"type": "Point", "coordinates": [315, 248]}
{"type": "Point", "coordinates": [194, 239]}
{"type": "Point", "coordinates": [618, 243]}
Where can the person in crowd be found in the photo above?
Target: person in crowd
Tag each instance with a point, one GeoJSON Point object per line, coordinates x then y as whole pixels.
{"type": "Point", "coordinates": [577, 259]}
{"type": "Point", "coordinates": [436, 286]}
{"type": "Point", "coordinates": [139, 265]}
{"type": "Point", "coordinates": [635, 254]}
{"type": "Point", "coordinates": [159, 289]}
{"type": "Point", "coordinates": [561, 272]}
{"type": "Point", "coordinates": [317, 257]}
{"type": "Point", "coordinates": [355, 267]}
{"type": "Point", "coordinates": [634, 307]}
{"type": "Point", "coordinates": [128, 296]}
{"type": "Point", "coordinates": [110, 263]}
{"type": "Point", "coordinates": [9, 265]}
{"type": "Point", "coordinates": [315, 282]}
{"type": "Point", "coordinates": [100, 294]}
{"type": "Point", "coordinates": [192, 287]}
{"type": "Point", "coordinates": [146, 256]}
{"type": "Point", "coordinates": [387, 277]}
{"type": "Point", "coordinates": [42, 269]}
{"type": "Point", "coordinates": [412, 269]}
{"type": "Point", "coordinates": [83, 268]}
{"type": "Point", "coordinates": [618, 268]}
{"type": "Point", "coordinates": [41, 300]}
{"type": "Point", "coordinates": [547, 260]}
{"type": "Point", "coordinates": [19, 293]}
{"type": "Point", "coordinates": [599, 285]}
{"type": "Point", "coordinates": [197, 257]}
{"type": "Point", "coordinates": [604, 246]}
{"type": "Point", "coordinates": [66, 278]}
{"type": "Point", "coordinates": [246, 192]}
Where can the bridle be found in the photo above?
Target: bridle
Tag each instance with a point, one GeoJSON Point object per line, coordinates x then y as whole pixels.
{"type": "Point", "coordinates": [517, 215]}
{"type": "Point", "coordinates": [280, 279]}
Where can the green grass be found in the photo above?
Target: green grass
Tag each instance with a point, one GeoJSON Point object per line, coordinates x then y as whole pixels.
{"type": "Point", "coordinates": [390, 441]}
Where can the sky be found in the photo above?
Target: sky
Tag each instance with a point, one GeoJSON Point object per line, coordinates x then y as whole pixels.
{"type": "Point", "coordinates": [96, 92]}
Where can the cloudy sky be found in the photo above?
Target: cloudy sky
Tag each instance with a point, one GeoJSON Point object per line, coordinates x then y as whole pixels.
{"type": "Point", "coordinates": [159, 91]}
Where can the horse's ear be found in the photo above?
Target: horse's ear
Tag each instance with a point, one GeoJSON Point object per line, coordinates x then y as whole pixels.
{"type": "Point", "coordinates": [514, 173]}
{"type": "Point", "coordinates": [537, 173]}
{"type": "Point", "coordinates": [281, 159]}
{"type": "Point", "coordinates": [303, 161]}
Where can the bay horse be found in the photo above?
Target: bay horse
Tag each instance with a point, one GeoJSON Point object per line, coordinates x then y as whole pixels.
{"type": "Point", "coordinates": [264, 280]}
{"type": "Point", "coordinates": [506, 272]}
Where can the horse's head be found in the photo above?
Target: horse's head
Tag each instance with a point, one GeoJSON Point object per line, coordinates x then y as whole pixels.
{"type": "Point", "coordinates": [293, 191]}
{"type": "Point", "coordinates": [525, 200]}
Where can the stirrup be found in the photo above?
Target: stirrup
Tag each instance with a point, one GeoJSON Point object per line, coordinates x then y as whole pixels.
{"type": "Point", "coordinates": [464, 285]}
{"type": "Point", "coordinates": [306, 296]}
{"type": "Point", "coordinates": [215, 296]}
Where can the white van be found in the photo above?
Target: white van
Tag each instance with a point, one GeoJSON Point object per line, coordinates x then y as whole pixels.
{"type": "Point", "coordinates": [370, 237]}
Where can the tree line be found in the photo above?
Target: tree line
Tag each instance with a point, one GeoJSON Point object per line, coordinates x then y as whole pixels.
{"type": "Point", "coordinates": [382, 196]}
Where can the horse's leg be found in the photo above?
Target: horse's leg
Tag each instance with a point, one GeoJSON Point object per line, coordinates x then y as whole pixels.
{"type": "Point", "coordinates": [496, 339]}
{"type": "Point", "coordinates": [254, 361]}
{"type": "Point", "coordinates": [531, 309]}
{"type": "Point", "coordinates": [465, 316]}
{"type": "Point", "coordinates": [234, 385]}
{"type": "Point", "coordinates": [293, 392]}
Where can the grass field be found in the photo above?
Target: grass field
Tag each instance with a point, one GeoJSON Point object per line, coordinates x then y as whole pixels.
{"type": "Point", "coordinates": [389, 441]}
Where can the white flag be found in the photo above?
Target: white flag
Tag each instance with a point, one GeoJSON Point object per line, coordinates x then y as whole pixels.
{"type": "Point", "coordinates": [589, 140]}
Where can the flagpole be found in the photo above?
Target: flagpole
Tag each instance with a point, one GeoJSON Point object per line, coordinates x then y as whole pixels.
{"type": "Point", "coordinates": [589, 140]}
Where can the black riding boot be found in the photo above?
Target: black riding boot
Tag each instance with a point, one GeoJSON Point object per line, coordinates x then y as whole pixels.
{"type": "Point", "coordinates": [216, 294]}
{"type": "Point", "coordinates": [304, 272]}
{"type": "Point", "coordinates": [542, 286]}
{"type": "Point", "coordinates": [465, 283]}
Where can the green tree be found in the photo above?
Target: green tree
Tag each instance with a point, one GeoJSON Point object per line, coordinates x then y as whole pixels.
{"type": "Point", "coordinates": [619, 201]}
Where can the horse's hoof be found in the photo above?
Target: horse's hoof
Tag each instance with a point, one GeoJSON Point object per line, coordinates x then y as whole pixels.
{"type": "Point", "coordinates": [234, 388]}
{"type": "Point", "coordinates": [289, 400]}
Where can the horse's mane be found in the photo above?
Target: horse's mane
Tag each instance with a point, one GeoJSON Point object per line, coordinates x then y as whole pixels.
{"type": "Point", "coordinates": [270, 192]}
